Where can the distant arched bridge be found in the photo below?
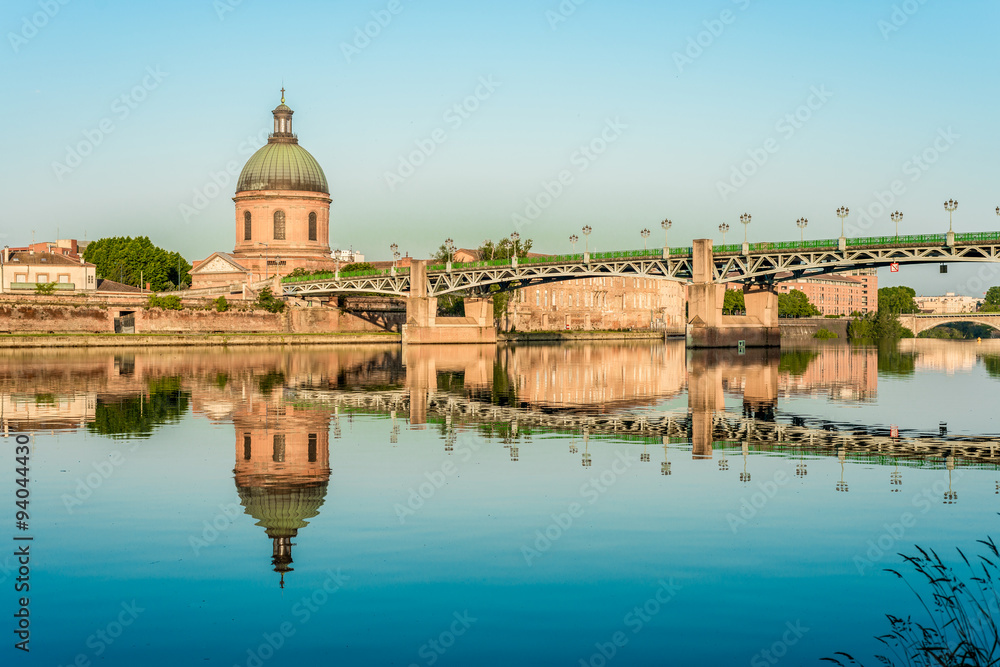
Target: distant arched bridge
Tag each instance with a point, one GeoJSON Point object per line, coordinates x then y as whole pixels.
{"type": "Point", "coordinates": [765, 263]}
{"type": "Point", "coordinates": [918, 323]}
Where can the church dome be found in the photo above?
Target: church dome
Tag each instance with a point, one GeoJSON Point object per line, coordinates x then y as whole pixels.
{"type": "Point", "coordinates": [282, 164]}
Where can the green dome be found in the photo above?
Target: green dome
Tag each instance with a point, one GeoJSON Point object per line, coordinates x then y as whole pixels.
{"type": "Point", "coordinates": [282, 165]}
{"type": "Point", "coordinates": [282, 511]}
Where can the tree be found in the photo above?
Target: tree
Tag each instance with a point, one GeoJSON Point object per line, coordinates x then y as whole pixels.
{"type": "Point", "coordinates": [734, 301]}
{"type": "Point", "coordinates": [221, 304]}
{"type": "Point", "coordinates": [504, 249]}
{"type": "Point", "coordinates": [135, 260]}
{"type": "Point", "coordinates": [896, 300]}
{"type": "Point", "coordinates": [796, 304]}
{"type": "Point", "coordinates": [991, 304]}
{"type": "Point", "coordinates": [357, 267]}
{"type": "Point", "coordinates": [45, 289]}
{"type": "Point", "coordinates": [267, 301]}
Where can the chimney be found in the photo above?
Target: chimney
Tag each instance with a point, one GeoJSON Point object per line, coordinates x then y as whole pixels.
{"type": "Point", "coordinates": [6, 254]}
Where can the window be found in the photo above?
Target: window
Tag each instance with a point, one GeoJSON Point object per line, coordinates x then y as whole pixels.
{"type": "Point", "coordinates": [278, 455]}
{"type": "Point", "coordinates": [246, 226]}
{"type": "Point", "coordinates": [42, 278]}
{"type": "Point", "coordinates": [279, 225]}
{"type": "Point", "coordinates": [64, 277]}
{"type": "Point", "coordinates": [312, 226]}
{"type": "Point", "coordinates": [312, 441]}
{"type": "Point", "coordinates": [246, 446]}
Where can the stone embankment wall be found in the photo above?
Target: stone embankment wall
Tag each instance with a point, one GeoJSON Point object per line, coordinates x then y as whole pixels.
{"type": "Point", "coordinates": [805, 327]}
{"type": "Point", "coordinates": [50, 315]}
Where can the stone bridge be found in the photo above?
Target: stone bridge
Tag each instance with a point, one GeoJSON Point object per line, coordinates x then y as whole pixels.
{"type": "Point", "coordinates": [918, 323]}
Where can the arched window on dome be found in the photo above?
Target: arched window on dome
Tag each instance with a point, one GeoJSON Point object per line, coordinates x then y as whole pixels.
{"type": "Point", "coordinates": [312, 226]}
{"type": "Point", "coordinates": [246, 226]}
{"type": "Point", "coordinates": [279, 225]}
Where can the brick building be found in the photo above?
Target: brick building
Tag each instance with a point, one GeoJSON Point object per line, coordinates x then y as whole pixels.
{"type": "Point", "coordinates": [839, 293]}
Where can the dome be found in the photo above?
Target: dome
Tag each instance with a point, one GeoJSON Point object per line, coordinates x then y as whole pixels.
{"type": "Point", "coordinates": [282, 166]}
{"type": "Point", "coordinates": [282, 511]}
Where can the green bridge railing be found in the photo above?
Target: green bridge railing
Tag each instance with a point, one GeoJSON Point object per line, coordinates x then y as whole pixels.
{"type": "Point", "coordinates": [657, 253]}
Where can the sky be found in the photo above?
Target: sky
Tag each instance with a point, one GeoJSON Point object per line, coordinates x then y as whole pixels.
{"type": "Point", "coordinates": [436, 119]}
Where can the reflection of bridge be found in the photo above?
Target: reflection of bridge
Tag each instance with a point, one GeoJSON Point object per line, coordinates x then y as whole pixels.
{"type": "Point", "coordinates": [918, 323]}
{"type": "Point", "coordinates": [709, 269]}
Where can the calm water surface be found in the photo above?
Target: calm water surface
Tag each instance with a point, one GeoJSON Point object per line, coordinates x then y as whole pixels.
{"type": "Point", "coordinates": [553, 505]}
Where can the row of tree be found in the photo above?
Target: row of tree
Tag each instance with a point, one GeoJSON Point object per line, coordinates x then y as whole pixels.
{"type": "Point", "coordinates": [135, 261]}
{"type": "Point", "coordinates": [793, 304]}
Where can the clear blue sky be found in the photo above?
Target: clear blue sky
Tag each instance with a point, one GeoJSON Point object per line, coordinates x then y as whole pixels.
{"type": "Point", "coordinates": [681, 120]}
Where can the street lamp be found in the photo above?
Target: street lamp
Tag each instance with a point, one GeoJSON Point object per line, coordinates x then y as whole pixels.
{"type": "Point", "coordinates": [573, 240]}
{"type": "Point", "coordinates": [586, 234]}
{"type": "Point", "coordinates": [724, 227]}
{"type": "Point", "coordinates": [449, 246]}
{"type": "Point", "coordinates": [514, 238]}
{"type": "Point", "coordinates": [266, 267]}
{"type": "Point", "coordinates": [745, 219]}
{"type": "Point", "coordinates": [666, 224]}
{"type": "Point", "coordinates": [394, 248]}
{"type": "Point", "coordinates": [802, 222]}
{"type": "Point", "coordinates": [950, 206]}
{"type": "Point", "coordinates": [897, 217]}
{"type": "Point", "coordinates": [645, 235]}
{"type": "Point", "coordinates": [842, 213]}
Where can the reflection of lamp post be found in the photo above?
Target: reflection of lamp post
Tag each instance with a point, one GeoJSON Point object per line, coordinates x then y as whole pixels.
{"type": "Point", "coordinates": [644, 457]}
{"type": "Point", "coordinates": [745, 476]}
{"type": "Point", "coordinates": [842, 213]}
{"type": "Point", "coordinates": [666, 224]}
{"type": "Point", "coordinates": [724, 227]}
{"type": "Point", "coordinates": [802, 222]}
{"type": "Point", "coordinates": [950, 497]}
{"type": "Point", "coordinates": [723, 462]}
{"type": "Point", "coordinates": [841, 485]}
{"type": "Point", "coordinates": [897, 217]}
{"type": "Point", "coordinates": [665, 466]}
{"type": "Point", "coordinates": [585, 462]}
{"type": "Point", "coordinates": [951, 205]}
{"type": "Point", "coordinates": [586, 235]}
{"type": "Point", "coordinates": [645, 235]}
{"type": "Point", "coordinates": [573, 241]}
{"type": "Point", "coordinates": [895, 479]}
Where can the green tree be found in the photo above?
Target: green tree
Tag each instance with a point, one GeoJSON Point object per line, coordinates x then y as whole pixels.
{"type": "Point", "coordinates": [734, 301]}
{"type": "Point", "coordinates": [896, 300]}
{"type": "Point", "coordinates": [45, 289]}
{"type": "Point", "coordinates": [135, 260]}
{"type": "Point", "coordinates": [796, 304]}
{"type": "Point", "coordinates": [172, 302]}
{"type": "Point", "coordinates": [267, 301]}
{"type": "Point", "coordinates": [221, 304]}
{"type": "Point", "coordinates": [991, 304]}
{"type": "Point", "coordinates": [357, 267]}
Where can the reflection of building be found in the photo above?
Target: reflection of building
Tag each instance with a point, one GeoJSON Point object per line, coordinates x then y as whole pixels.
{"type": "Point", "coordinates": [282, 470]}
{"type": "Point", "coordinates": [841, 372]}
{"type": "Point", "coordinates": [839, 293]}
{"type": "Point", "coordinates": [947, 304]}
{"type": "Point", "coordinates": [282, 214]}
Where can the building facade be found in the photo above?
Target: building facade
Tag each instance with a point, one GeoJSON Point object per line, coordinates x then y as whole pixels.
{"type": "Point", "coordinates": [22, 271]}
{"type": "Point", "coordinates": [947, 304]}
{"type": "Point", "coordinates": [839, 293]}
{"type": "Point", "coordinates": [282, 214]}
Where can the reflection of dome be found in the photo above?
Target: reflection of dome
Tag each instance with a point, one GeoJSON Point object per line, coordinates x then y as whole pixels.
{"type": "Point", "coordinates": [282, 166]}
{"type": "Point", "coordinates": [282, 510]}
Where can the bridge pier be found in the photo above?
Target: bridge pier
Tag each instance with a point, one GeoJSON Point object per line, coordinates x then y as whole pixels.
{"type": "Point", "coordinates": [424, 327]}
{"type": "Point", "coordinates": [708, 327]}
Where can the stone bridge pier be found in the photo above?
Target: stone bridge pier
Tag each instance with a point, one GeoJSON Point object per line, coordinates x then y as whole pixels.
{"type": "Point", "coordinates": [424, 327]}
{"type": "Point", "coordinates": [708, 327]}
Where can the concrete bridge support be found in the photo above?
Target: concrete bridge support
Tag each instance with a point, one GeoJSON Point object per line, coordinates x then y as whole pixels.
{"type": "Point", "coordinates": [424, 327]}
{"type": "Point", "coordinates": [708, 327]}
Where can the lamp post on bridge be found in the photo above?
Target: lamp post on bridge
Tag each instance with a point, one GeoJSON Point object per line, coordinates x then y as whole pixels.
{"type": "Point", "coordinates": [745, 219]}
{"type": "Point", "coordinates": [645, 235]}
{"type": "Point", "coordinates": [666, 224]}
{"type": "Point", "coordinates": [724, 227]}
{"type": "Point", "coordinates": [587, 229]}
{"type": "Point", "coordinates": [573, 240]}
{"type": "Point", "coordinates": [951, 206]}
{"type": "Point", "coordinates": [897, 217]}
{"type": "Point", "coordinates": [842, 213]}
{"type": "Point", "coordinates": [802, 223]}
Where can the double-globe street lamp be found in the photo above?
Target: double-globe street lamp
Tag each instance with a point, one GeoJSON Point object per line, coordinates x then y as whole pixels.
{"type": "Point", "coordinates": [897, 217]}
{"type": "Point", "coordinates": [645, 235]}
{"type": "Point", "coordinates": [724, 227]}
{"type": "Point", "coordinates": [573, 240]}
{"type": "Point", "coordinates": [587, 229]}
{"type": "Point", "coordinates": [745, 219]}
{"type": "Point", "coordinates": [951, 205]}
{"type": "Point", "coordinates": [842, 213]}
{"type": "Point", "coordinates": [666, 224]}
{"type": "Point", "coordinates": [802, 222]}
